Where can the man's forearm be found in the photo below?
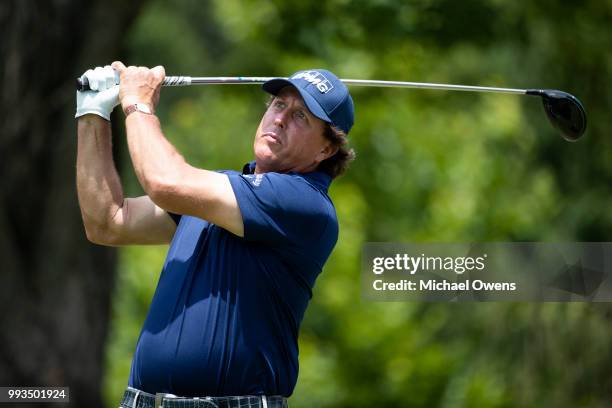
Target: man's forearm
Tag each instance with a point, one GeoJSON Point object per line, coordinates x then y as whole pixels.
{"type": "Point", "coordinates": [156, 162]}
{"type": "Point", "coordinates": [169, 181]}
{"type": "Point", "coordinates": [98, 184]}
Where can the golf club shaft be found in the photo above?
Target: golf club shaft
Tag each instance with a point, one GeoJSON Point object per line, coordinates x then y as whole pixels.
{"type": "Point", "coordinates": [186, 80]}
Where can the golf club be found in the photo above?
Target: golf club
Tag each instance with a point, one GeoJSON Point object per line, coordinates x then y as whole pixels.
{"type": "Point", "coordinates": [564, 110]}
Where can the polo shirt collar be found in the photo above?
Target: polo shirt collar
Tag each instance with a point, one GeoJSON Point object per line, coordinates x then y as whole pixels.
{"type": "Point", "coordinates": [319, 178]}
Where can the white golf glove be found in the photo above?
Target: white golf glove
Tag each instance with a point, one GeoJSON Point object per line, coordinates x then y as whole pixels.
{"type": "Point", "coordinates": [104, 93]}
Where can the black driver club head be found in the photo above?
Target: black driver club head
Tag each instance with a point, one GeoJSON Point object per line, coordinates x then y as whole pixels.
{"type": "Point", "coordinates": [564, 111]}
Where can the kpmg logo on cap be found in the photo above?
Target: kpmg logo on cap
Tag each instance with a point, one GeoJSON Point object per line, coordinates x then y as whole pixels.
{"type": "Point", "coordinates": [315, 78]}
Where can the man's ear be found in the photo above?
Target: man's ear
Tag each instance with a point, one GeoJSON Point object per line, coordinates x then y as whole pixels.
{"type": "Point", "coordinates": [326, 152]}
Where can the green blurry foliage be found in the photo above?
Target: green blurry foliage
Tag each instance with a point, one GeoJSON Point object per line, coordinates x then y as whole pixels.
{"type": "Point", "coordinates": [432, 167]}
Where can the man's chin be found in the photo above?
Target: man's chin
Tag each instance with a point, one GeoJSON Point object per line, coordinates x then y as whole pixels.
{"type": "Point", "coordinates": [265, 154]}
{"type": "Point", "coordinates": [266, 160]}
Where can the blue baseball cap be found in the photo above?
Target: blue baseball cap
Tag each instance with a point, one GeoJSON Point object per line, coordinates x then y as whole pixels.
{"type": "Point", "coordinates": [324, 94]}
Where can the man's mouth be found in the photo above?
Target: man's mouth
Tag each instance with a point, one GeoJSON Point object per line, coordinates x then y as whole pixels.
{"type": "Point", "coordinates": [272, 136]}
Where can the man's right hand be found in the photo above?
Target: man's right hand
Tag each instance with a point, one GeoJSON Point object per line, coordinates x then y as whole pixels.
{"type": "Point", "coordinates": [104, 93]}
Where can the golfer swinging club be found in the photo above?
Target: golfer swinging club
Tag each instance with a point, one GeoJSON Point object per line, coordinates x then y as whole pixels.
{"type": "Point", "coordinates": [245, 248]}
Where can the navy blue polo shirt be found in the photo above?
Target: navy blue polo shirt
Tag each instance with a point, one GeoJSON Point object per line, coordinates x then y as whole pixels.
{"type": "Point", "coordinates": [226, 312]}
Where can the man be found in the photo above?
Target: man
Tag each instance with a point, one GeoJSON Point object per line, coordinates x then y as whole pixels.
{"type": "Point", "coordinates": [245, 248]}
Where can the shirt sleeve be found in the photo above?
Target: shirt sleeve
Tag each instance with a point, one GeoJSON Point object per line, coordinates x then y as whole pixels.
{"type": "Point", "coordinates": [281, 208]}
{"type": "Point", "coordinates": [175, 217]}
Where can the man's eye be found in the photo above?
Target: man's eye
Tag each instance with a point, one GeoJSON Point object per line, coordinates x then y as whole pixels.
{"type": "Point", "coordinates": [279, 104]}
{"type": "Point", "coordinates": [300, 115]}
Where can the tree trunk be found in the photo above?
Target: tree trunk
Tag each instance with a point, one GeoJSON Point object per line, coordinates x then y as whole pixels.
{"type": "Point", "coordinates": [55, 290]}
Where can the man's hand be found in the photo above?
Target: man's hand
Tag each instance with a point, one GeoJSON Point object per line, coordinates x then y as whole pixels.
{"type": "Point", "coordinates": [104, 93]}
{"type": "Point", "coordinates": [139, 84]}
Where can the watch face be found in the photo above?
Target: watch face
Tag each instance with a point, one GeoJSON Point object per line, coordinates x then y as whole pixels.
{"type": "Point", "coordinates": [143, 108]}
{"type": "Point", "coordinates": [138, 107]}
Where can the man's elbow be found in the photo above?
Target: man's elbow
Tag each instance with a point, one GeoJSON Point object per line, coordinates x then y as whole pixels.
{"type": "Point", "coordinates": [99, 235]}
{"type": "Point", "coordinates": [94, 235]}
{"type": "Point", "coordinates": [163, 191]}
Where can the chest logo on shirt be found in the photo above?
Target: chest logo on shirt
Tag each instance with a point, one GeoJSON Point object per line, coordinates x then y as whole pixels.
{"type": "Point", "coordinates": [254, 178]}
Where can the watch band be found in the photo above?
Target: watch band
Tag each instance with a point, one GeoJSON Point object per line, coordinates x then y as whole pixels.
{"type": "Point", "coordinates": [137, 107]}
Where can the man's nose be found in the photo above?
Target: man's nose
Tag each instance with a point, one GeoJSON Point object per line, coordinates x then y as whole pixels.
{"type": "Point", "coordinates": [279, 119]}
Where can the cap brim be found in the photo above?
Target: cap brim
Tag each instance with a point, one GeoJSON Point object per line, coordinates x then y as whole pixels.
{"type": "Point", "coordinates": [274, 86]}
